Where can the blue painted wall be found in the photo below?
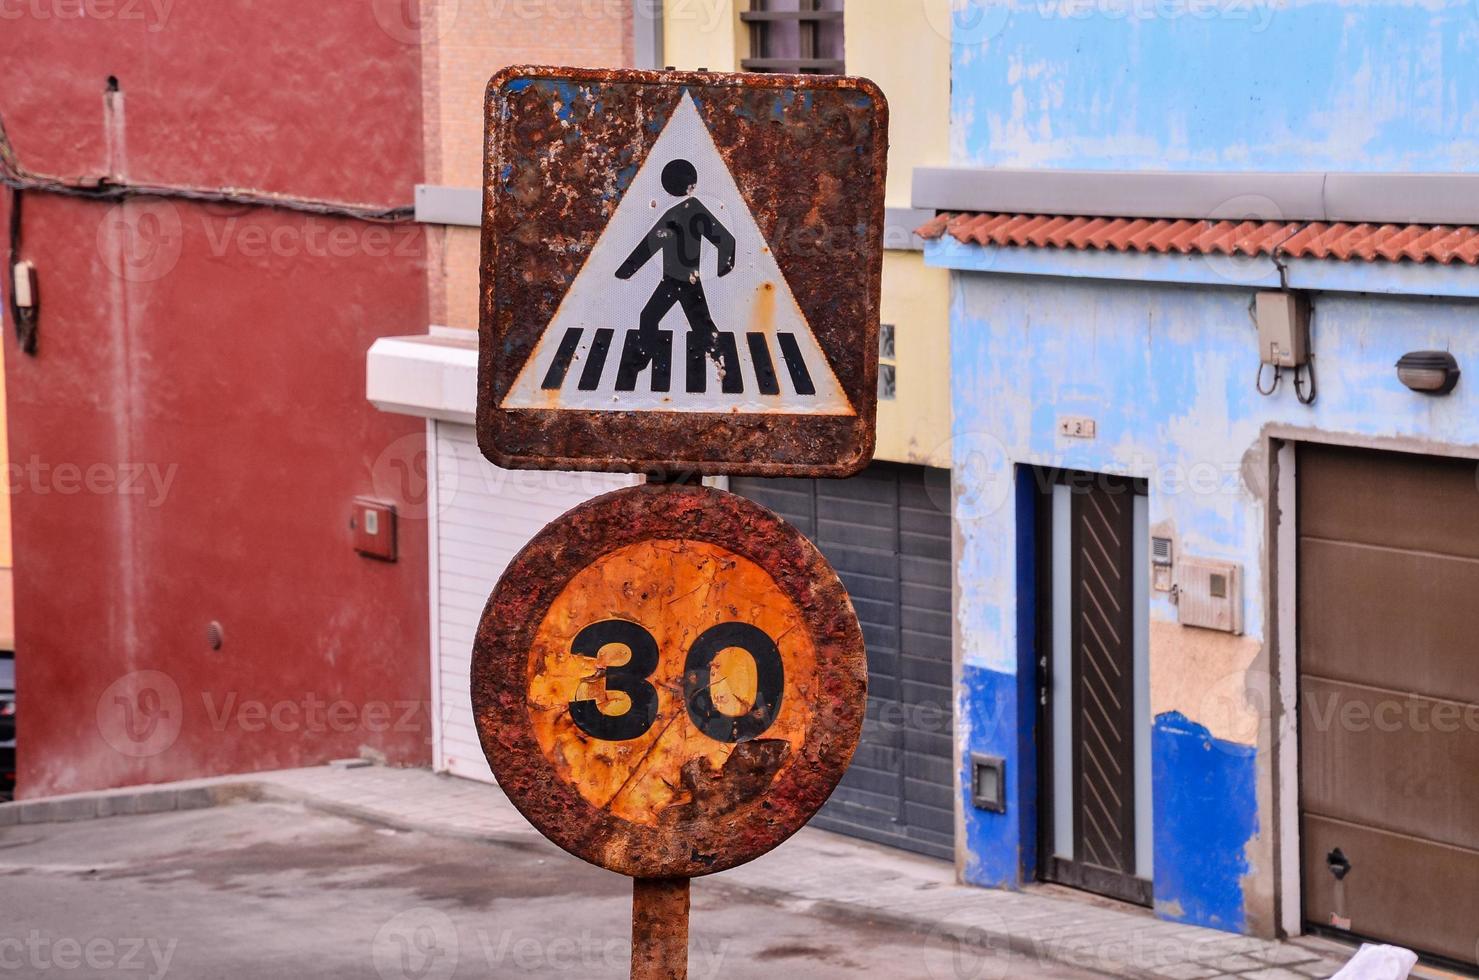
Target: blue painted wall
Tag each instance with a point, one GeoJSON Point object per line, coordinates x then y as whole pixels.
{"type": "Point", "coordinates": [1281, 85]}
{"type": "Point", "coordinates": [997, 716]}
{"type": "Point", "coordinates": [988, 722]}
{"type": "Point", "coordinates": [1161, 352]}
{"type": "Point", "coordinates": [1202, 826]}
{"type": "Point", "coordinates": [1167, 372]}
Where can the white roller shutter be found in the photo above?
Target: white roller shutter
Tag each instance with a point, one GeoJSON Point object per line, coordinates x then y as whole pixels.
{"type": "Point", "coordinates": [481, 516]}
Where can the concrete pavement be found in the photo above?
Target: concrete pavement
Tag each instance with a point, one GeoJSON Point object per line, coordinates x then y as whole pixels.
{"type": "Point", "coordinates": [989, 933]}
{"type": "Point", "coordinates": [269, 890]}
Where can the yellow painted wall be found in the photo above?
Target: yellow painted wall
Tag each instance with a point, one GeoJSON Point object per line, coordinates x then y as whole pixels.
{"type": "Point", "coordinates": [897, 45]}
{"type": "Point", "coordinates": [915, 426]}
{"type": "Point", "coordinates": [704, 34]}
{"type": "Point", "coordinates": [904, 46]}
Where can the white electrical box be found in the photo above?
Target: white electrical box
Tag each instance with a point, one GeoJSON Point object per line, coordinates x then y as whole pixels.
{"type": "Point", "coordinates": [1209, 594]}
{"type": "Point", "coordinates": [1283, 329]}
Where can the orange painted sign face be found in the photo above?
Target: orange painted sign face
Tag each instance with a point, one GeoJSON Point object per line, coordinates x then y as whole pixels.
{"type": "Point", "coordinates": [669, 681]}
{"type": "Point", "coordinates": [655, 662]}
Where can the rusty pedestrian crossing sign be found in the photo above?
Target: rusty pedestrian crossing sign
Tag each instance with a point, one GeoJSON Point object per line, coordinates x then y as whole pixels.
{"type": "Point", "coordinates": [681, 272]}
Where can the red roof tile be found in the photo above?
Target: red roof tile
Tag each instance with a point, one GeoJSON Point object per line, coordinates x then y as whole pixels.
{"type": "Point", "coordinates": [1444, 244]}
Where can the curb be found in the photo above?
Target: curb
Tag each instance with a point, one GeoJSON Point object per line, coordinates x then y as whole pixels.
{"type": "Point", "coordinates": [128, 803]}
{"type": "Point", "coordinates": [224, 791]}
{"type": "Point", "coordinates": [269, 793]}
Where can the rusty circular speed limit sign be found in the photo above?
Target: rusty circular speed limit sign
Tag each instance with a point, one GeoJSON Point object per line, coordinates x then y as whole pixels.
{"type": "Point", "coordinates": [669, 681]}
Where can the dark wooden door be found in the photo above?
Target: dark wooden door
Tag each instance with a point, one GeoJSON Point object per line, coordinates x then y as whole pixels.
{"type": "Point", "coordinates": [1101, 692]}
{"type": "Point", "coordinates": [1388, 592]}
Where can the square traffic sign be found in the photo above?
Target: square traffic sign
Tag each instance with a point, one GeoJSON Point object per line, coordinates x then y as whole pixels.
{"type": "Point", "coordinates": [680, 271]}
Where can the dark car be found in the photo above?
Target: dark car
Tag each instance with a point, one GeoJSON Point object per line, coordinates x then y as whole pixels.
{"type": "Point", "coordinates": [7, 726]}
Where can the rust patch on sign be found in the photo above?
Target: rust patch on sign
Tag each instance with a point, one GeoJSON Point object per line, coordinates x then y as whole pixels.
{"type": "Point", "coordinates": [669, 681]}
{"type": "Point", "coordinates": [807, 155]}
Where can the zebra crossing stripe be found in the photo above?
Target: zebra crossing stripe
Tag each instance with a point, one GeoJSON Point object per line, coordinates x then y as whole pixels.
{"type": "Point", "coordinates": [764, 367]}
{"type": "Point", "coordinates": [725, 352]}
{"type": "Point", "coordinates": [560, 366]}
{"type": "Point", "coordinates": [638, 356]}
{"type": "Point", "coordinates": [796, 364]}
{"type": "Point", "coordinates": [590, 377]}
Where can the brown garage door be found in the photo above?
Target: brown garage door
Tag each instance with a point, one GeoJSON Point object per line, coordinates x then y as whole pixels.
{"type": "Point", "coordinates": [1389, 697]}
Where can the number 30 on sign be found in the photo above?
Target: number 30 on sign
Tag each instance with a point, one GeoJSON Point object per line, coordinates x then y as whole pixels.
{"type": "Point", "coordinates": [669, 681]}
{"type": "Point", "coordinates": [702, 684]}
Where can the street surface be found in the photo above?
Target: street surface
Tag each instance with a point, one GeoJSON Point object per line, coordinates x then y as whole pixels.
{"type": "Point", "coordinates": [275, 890]}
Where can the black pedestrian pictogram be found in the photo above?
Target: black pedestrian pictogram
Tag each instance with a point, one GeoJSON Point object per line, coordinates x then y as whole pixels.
{"type": "Point", "coordinates": [679, 235]}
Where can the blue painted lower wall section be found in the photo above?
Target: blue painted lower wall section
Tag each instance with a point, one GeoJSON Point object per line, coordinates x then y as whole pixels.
{"type": "Point", "coordinates": [1205, 814]}
{"type": "Point", "coordinates": [1205, 805]}
{"type": "Point", "coordinates": [993, 841]}
{"type": "Point", "coordinates": [999, 712]}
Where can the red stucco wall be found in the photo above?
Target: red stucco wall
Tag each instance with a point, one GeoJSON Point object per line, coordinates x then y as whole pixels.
{"type": "Point", "coordinates": [188, 441]}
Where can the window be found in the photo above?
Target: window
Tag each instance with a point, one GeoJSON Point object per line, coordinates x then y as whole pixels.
{"type": "Point", "coordinates": [887, 376]}
{"type": "Point", "coordinates": [802, 36]}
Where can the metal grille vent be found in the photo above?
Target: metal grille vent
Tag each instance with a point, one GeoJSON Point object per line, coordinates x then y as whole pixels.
{"type": "Point", "coordinates": [795, 36]}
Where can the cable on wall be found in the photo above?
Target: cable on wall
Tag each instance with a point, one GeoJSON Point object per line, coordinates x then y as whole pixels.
{"type": "Point", "coordinates": [20, 276]}
{"type": "Point", "coordinates": [17, 177]}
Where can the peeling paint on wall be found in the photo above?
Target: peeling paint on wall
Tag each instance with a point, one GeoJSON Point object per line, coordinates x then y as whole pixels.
{"type": "Point", "coordinates": [1205, 811]}
{"type": "Point", "coordinates": [1303, 85]}
{"type": "Point", "coordinates": [1166, 372]}
{"type": "Point", "coordinates": [989, 721]}
{"type": "Point", "coordinates": [1206, 674]}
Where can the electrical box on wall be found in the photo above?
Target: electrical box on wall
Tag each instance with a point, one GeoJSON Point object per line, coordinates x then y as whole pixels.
{"type": "Point", "coordinates": [373, 524]}
{"type": "Point", "coordinates": [1209, 594]}
{"type": "Point", "coordinates": [1283, 329]}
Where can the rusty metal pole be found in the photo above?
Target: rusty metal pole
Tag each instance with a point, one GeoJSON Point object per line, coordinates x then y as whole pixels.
{"type": "Point", "coordinates": [659, 928]}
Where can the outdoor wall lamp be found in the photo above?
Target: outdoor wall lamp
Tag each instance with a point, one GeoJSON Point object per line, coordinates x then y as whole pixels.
{"type": "Point", "coordinates": [1428, 372]}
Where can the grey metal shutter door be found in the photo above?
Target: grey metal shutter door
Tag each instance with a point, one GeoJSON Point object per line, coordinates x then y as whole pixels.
{"type": "Point", "coordinates": [887, 532]}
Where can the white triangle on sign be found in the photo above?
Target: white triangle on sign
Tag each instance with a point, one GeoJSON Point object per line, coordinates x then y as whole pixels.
{"type": "Point", "coordinates": [756, 353]}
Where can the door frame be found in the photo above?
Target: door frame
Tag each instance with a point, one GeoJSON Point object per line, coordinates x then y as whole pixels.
{"type": "Point", "coordinates": [1128, 888]}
